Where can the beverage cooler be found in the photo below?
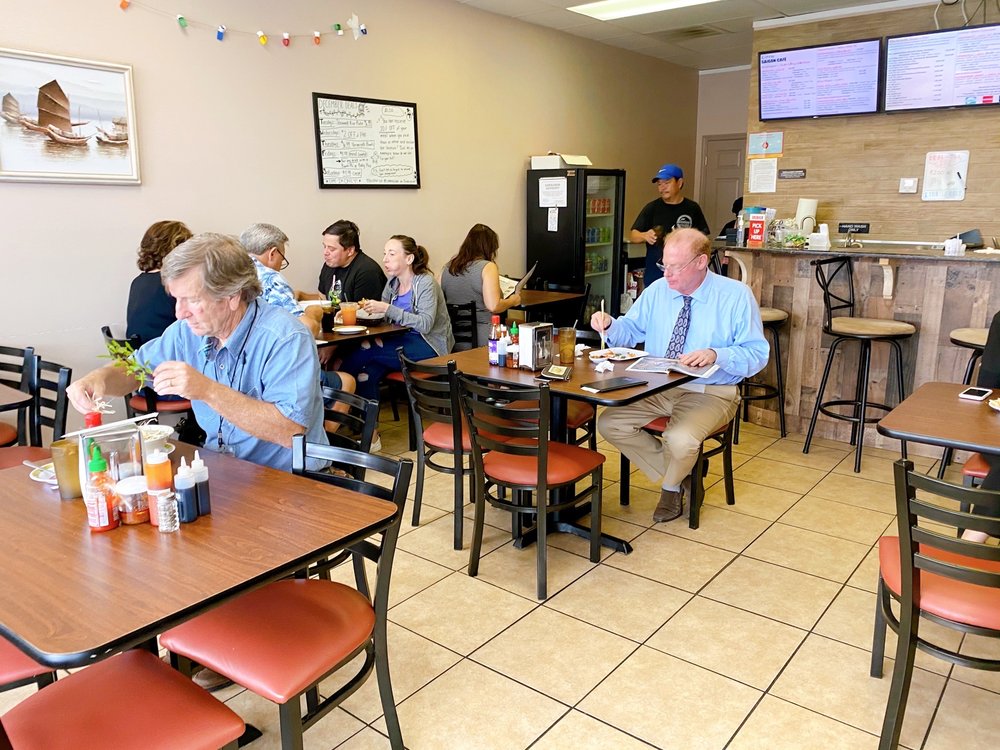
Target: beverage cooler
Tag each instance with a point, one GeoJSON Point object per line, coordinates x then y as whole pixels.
{"type": "Point", "coordinates": [574, 222]}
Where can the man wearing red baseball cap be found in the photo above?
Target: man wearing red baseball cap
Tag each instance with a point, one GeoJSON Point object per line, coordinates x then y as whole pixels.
{"type": "Point", "coordinates": [661, 216]}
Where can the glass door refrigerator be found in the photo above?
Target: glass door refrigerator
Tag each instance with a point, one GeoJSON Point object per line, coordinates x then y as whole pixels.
{"type": "Point", "coordinates": [574, 222]}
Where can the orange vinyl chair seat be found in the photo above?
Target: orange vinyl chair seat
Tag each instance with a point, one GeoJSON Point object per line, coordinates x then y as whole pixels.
{"type": "Point", "coordinates": [131, 700]}
{"type": "Point", "coordinates": [14, 455]}
{"type": "Point", "coordinates": [15, 665]}
{"type": "Point", "coordinates": [952, 600]}
{"type": "Point", "coordinates": [8, 434]}
{"type": "Point", "coordinates": [279, 639]}
{"type": "Point", "coordinates": [139, 404]}
{"type": "Point", "coordinates": [578, 414]}
{"type": "Point", "coordinates": [567, 463]}
{"type": "Point", "coordinates": [976, 467]}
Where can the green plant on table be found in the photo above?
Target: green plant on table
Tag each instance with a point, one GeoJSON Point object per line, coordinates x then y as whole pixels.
{"type": "Point", "coordinates": [122, 355]}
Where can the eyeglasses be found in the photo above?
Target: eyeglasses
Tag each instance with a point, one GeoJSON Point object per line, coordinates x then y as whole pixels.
{"type": "Point", "coordinates": [674, 270]}
{"type": "Point", "coordinates": [284, 260]}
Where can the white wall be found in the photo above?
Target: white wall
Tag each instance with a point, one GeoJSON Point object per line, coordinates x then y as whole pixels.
{"type": "Point", "coordinates": [226, 138]}
{"type": "Point", "coordinates": [723, 96]}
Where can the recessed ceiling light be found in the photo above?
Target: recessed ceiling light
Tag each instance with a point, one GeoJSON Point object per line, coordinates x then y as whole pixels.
{"type": "Point", "coordinates": [608, 10]}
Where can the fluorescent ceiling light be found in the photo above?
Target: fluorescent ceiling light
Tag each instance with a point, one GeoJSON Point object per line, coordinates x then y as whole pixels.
{"type": "Point", "coordinates": [609, 10]}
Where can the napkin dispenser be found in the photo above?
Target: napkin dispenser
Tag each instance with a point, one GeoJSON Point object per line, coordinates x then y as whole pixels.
{"type": "Point", "coordinates": [536, 345]}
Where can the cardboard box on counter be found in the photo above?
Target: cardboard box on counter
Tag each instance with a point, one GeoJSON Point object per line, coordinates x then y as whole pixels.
{"type": "Point", "coordinates": [553, 160]}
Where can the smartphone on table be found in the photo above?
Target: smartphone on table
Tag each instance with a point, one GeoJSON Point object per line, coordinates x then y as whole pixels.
{"type": "Point", "coordinates": [975, 394]}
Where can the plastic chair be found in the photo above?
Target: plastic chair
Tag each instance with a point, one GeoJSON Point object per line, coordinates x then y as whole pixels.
{"type": "Point", "coordinates": [464, 326]}
{"type": "Point", "coordinates": [283, 639]}
{"type": "Point", "coordinates": [18, 371]}
{"type": "Point", "coordinates": [933, 575]}
{"type": "Point", "coordinates": [511, 451]}
{"type": "Point", "coordinates": [165, 711]}
{"type": "Point", "coordinates": [864, 331]}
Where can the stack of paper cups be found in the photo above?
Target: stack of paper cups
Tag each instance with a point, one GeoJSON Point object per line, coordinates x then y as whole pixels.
{"type": "Point", "coordinates": [805, 215]}
{"type": "Point", "coordinates": [819, 241]}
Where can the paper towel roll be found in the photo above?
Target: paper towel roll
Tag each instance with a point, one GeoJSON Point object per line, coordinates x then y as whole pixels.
{"type": "Point", "coordinates": [805, 215]}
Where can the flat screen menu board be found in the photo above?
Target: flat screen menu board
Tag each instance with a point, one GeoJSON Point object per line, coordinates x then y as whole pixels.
{"type": "Point", "coordinates": [821, 81]}
{"type": "Point", "coordinates": [365, 143]}
{"type": "Point", "coordinates": [951, 68]}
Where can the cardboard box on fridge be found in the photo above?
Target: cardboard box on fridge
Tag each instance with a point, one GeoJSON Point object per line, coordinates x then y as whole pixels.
{"type": "Point", "coordinates": [553, 160]}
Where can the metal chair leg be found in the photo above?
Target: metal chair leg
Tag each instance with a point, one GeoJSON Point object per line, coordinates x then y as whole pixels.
{"type": "Point", "coordinates": [779, 379]}
{"type": "Point", "coordinates": [820, 392]}
{"type": "Point", "coordinates": [866, 362]}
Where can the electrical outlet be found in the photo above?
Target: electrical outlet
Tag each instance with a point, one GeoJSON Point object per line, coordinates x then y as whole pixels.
{"type": "Point", "coordinates": [907, 184]}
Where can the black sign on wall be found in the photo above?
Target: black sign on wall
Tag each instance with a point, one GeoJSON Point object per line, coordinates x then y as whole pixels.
{"type": "Point", "coordinates": [854, 227]}
{"type": "Point", "coordinates": [791, 174]}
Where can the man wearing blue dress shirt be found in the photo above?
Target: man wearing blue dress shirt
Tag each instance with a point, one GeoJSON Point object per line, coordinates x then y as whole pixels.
{"type": "Point", "coordinates": [703, 319]}
{"type": "Point", "coordinates": [250, 369]}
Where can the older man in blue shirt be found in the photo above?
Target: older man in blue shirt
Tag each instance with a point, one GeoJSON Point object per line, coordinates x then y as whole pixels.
{"type": "Point", "coordinates": [702, 319]}
{"type": "Point", "coordinates": [250, 369]}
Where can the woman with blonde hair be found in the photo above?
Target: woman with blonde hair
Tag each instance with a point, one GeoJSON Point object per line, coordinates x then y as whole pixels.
{"type": "Point", "coordinates": [150, 308]}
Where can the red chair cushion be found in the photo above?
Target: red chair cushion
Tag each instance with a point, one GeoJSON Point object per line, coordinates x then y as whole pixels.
{"type": "Point", "coordinates": [16, 665]}
{"type": "Point", "coordinates": [953, 600]}
{"type": "Point", "coordinates": [567, 463]}
{"type": "Point", "coordinates": [438, 435]}
{"type": "Point", "coordinates": [132, 700]}
{"type": "Point", "coordinates": [578, 413]}
{"type": "Point", "coordinates": [15, 455]}
{"type": "Point", "coordinates": [976, 466]}
{"type": "Point", "coordinates": [8, 434]}
{"type": "Point", "coordinates": [397, 377]}
{"type": "Point", "coordinates": [279, 639]}
{"type": "Point", "coordinates": [138, 403]}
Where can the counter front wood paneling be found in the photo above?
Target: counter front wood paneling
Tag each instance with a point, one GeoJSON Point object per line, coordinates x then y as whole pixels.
{"type": "Point", "coordinates": [936, 294]}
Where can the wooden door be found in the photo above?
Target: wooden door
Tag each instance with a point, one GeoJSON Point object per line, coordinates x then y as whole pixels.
{"type": "Point", "coordinates": [723, 163]}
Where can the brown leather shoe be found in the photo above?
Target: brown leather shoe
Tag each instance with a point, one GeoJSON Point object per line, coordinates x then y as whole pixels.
{"type": "Point", "coordinates": [670, 506]}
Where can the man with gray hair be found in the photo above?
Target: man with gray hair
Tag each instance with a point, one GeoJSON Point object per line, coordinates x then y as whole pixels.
{"type": "Point", "coordinates": [249, 369]}
{"type": "Point", "coordinates": [266, 245]}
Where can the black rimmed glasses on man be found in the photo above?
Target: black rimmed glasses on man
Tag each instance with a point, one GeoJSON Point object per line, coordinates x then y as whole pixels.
{"type": "Point", "coordinates": [284, 260]}
{"type": "Point", "coordinates": [674, 270]}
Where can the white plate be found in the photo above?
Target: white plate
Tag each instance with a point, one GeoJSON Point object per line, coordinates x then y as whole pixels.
{"type": "Point", "coordinates": [168, 448]}
{"type": "Point", "coordinates": [311, 302]}
{"type": "Point", "coordinates": [39, 475]}
{"type": "Point", "coordinates": [350, 329]}
{"type": "Point", "coordinates": [617, 354]}
{"type": "Point", "coordinates": [994, 404]}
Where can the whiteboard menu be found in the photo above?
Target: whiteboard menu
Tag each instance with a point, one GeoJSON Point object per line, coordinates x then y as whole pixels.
{"type": "Point", "coordinates": [831, 79]}
{"type": "Point", "coordinates": [365, 143]}
{"type": "Point", "coordinates": [951, 68]}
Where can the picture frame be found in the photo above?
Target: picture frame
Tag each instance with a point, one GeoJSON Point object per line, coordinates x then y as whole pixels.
{"type": "Point", "coordinates": [365, 143]}
{"type": "Point", "coordinates": [66, 120]}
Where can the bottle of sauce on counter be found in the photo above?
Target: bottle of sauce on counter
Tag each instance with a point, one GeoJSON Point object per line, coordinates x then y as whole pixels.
{"type": "Point", "coordinates": [200, 472]}
{"type": "Point", "coordinates": [514, 349]}
{"type": "Point", "coordinates": [100, 496]}
{"type": "Point", "coordinates": [494, 339]}
{"type": "Point", "coordinates": [187, 497]}
{"type": "Point", "coordinates": [158, 477]}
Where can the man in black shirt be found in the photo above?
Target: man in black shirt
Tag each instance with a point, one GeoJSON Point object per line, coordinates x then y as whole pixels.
{"type": "Point", "coordinates": [660, 217]}
{"type": "Point", "coordinates": [360, 277]}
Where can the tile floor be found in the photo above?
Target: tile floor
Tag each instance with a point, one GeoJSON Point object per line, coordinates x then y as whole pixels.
{"type": "Point", "coordinates": [752, 632]}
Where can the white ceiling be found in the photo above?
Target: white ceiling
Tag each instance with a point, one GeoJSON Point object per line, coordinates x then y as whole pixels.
{"type": "Point", "coordinates": [704, 37]}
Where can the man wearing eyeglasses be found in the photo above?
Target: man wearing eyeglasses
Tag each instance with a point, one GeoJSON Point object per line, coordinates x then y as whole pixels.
{"type": "Point", "coordinates": [659, 217]}
{"type": "Point", "coordinates": [266, 245]}
{"type": "Point", "coordinates": [700, 319]}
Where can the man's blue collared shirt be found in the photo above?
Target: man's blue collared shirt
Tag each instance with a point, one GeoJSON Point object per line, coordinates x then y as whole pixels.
{"type": "Point", "coordinates": [275, 290]}
{"type": "Point", "coordinates": [271, 357]}
{"type": "Point", "coordinates": [724, 317]}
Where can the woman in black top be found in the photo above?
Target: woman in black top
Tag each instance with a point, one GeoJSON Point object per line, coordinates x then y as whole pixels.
{"type": "Point", "coordinates": [150, 308]}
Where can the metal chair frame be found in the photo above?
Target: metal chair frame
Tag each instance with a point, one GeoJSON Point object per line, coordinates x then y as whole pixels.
{"type": "Point", "coordinates": [915, 544]}
{"type": "Point", "coordinates": [42, 403]}
{"type": "Point", "coordinates": [25, 369]}
{"type": "Point", "coordinates": [464, 325]}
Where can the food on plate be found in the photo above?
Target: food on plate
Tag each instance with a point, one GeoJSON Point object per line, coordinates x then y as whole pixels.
{"type": "Point", "coordinates": [615, 355]}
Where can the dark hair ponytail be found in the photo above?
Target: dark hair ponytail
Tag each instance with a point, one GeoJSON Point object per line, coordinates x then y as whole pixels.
{"type": "Point", "coordinates": [421, 260]}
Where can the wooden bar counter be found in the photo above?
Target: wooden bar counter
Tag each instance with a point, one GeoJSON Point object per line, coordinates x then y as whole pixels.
{"type": "Point", "coordinates": [918, 285]}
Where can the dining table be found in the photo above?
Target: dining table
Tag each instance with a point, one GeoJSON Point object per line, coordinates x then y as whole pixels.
{"type": "Point", "coordinates": [356, 333]}
{"type": "Point", "coordinates": [475, 363]}
{"type": "Point", "coordinates": [535, 300]}
{"type": "Point", "coordinates": [935, 415]}
{"type": "Point", "coordinates": [70, 596]}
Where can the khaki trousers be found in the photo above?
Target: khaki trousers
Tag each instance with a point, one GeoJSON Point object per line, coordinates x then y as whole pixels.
{"type": "Point", "coordinates": [693, 417]}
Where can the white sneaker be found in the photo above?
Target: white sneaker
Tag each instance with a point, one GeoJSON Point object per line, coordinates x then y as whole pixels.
{"type": "Point", "coordinates": [376, 444]}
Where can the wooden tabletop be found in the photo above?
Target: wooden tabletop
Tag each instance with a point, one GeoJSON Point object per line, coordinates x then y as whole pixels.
{"type": "Point", "coordinates": [68, 595]}
{"type": "Point", "coordinates": [934, 414]}
{"type": "Point", "coordinates": [12, 398]}
{"type": "Point", "coordinates": [389, 329]}
{"type": "Point", "coordinates": [475, 362]}
{"type": "Point", "coordinates": [535, 297]}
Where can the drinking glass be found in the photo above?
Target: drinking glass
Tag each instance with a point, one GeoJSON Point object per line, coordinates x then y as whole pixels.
{"type": "Point", "coordinates": [567, 345]}
{"type": "Point", "coordinates": [66, 461]}
{"type": "Point", "coordinates": [349, 313]}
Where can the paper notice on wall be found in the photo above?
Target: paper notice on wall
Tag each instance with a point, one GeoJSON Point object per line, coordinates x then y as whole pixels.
{"type": "Point", "coordinates": [944, 175]}
{"type": "Point", "coordinates": [764, 176]}
{"type": "Point", "coordinates": [553, 219]}
{"type": "Point", "coordinates": [552, 192]}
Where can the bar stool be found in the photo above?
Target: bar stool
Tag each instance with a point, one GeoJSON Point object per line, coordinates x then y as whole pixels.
{"type": "Point", "coordinates": [773, 319]}
{"type": "Point", "coordinates": [967, 338]}
{"type": "Point", "coordinates": [865, 331]}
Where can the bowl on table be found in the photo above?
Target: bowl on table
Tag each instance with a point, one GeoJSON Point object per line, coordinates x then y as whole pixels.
{"type": "Point", "coordinates": [154, 437]}
{"type": "Point", "coordinates": [370, 319]}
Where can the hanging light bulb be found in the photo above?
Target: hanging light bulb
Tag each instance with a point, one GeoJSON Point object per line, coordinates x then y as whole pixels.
{"type": "Point", "coordinates": [285, 38]}
{"type": "Point", "coordinates": [364, 30]}
{"type": "Point", "coordinates": [124, 4]}
{"type": "Point", "coordinates": [339, 29]}
{"type": "Point", "coordinates": [262, 38]}
{"type": "Point", "coordinates": [316, 37]}
{"type": "Point", "coordinates": [182, 22]}
{"type": "Point", "coordinates": [220, 33]}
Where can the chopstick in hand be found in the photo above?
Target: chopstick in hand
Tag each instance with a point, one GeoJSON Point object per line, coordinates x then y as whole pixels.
{"type": "Point", "coordinates": [603, 346]}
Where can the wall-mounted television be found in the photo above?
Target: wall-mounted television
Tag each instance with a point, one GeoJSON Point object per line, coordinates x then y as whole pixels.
{"type": "Point", "coordinates": [820, 81]}
{"type": "Point", "coordinates": [950, 68]}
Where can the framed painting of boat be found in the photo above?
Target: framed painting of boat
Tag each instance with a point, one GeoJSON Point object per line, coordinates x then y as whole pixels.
{"type": "Point", "coordinates": [66, 120]}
